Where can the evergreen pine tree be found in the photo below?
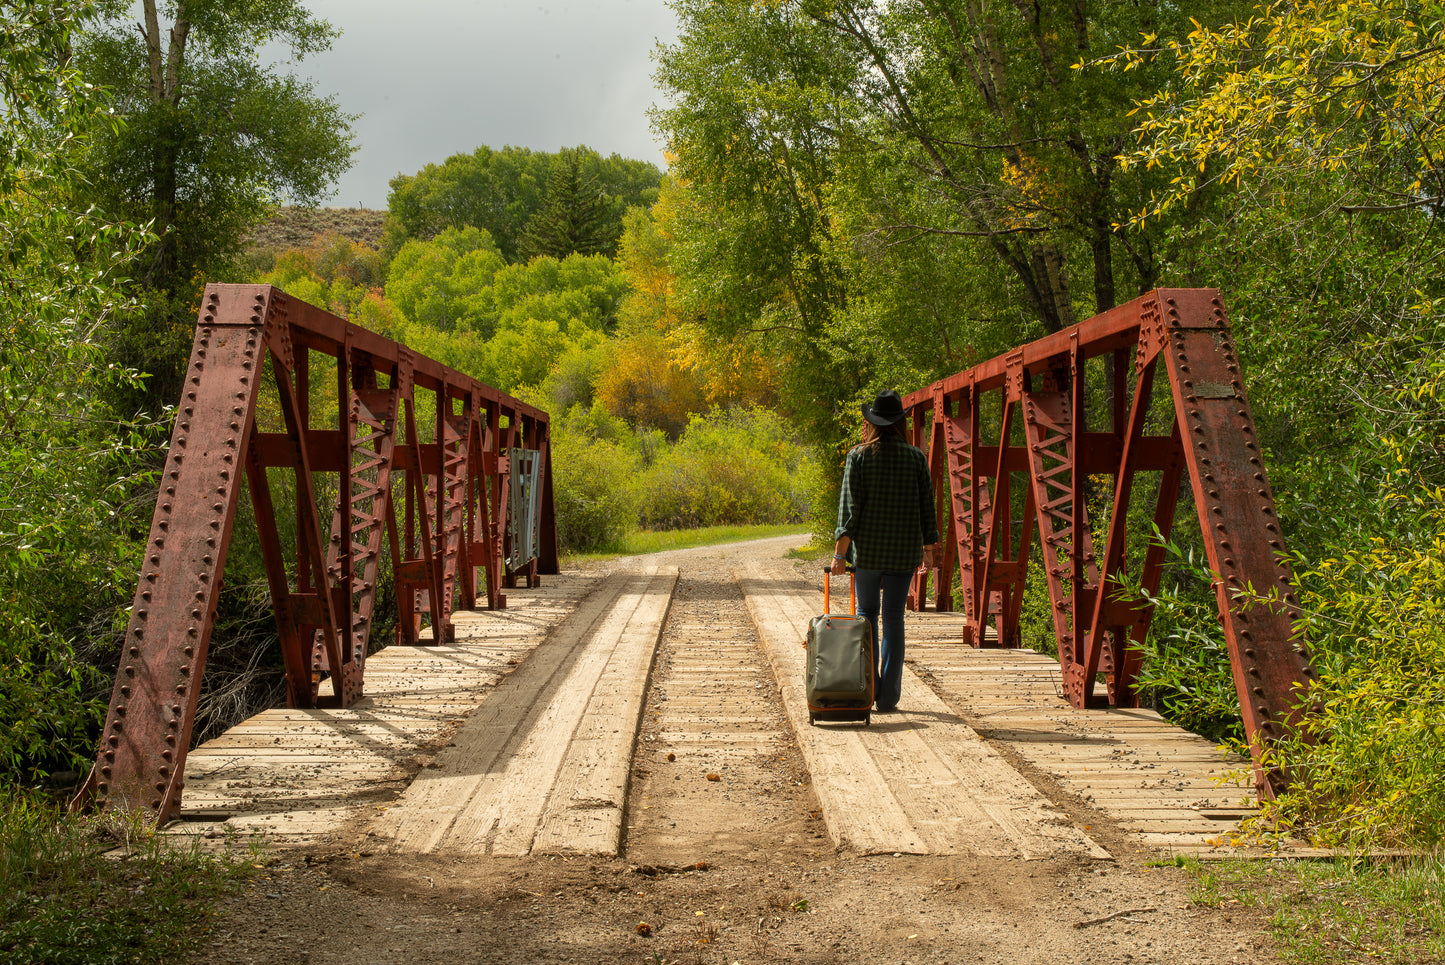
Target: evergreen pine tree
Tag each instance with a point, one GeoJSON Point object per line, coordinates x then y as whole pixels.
{"type": "Point", "coordinates": [574, 217]}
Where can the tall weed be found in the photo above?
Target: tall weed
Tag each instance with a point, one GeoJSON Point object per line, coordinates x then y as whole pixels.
{"type": "Point", "coordinates": [64, 901]}
{"type": "Point", "coordinates": [1185, 672]}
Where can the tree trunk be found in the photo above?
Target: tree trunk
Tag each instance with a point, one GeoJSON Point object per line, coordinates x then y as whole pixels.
{"type": "Point", "coordinates": [165, 94]}
{"type": "Point", "coordinates": [1048, 266]}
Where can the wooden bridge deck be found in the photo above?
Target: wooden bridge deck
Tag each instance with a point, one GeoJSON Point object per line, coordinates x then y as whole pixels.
{"type": "Point", "coordinates": [519, 738]}
{"type": "Point", "coordinates": [298, 775]}
{"type": "Point", "coordinates": [1175, 790]}
{"type": "Point", "coordinates": [543, 765]}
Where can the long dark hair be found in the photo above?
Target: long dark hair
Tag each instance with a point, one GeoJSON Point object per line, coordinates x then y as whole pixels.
{"type": "Point", "coordinates": [875, 437]}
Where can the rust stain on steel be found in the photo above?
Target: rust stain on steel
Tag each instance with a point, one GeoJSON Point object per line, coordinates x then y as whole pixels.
{"type": "Point", "coordinates": [1037, 397]}
{"type": "Point", "coordinates": [449, 523]}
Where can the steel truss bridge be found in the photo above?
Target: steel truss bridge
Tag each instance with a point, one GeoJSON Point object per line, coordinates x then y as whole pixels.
{"type": "Point", "coordinates": [452, 481]}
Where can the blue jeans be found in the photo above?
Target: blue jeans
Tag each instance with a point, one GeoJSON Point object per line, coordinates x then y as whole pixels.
{"type": "Point", "coordinates": [890, 588]}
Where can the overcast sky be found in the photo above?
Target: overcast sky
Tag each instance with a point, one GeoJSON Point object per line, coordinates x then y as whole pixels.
{"type": "Point", "coordinates": [432, 78]}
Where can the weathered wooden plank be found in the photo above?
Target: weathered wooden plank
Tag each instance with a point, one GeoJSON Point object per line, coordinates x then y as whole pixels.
{"type": "Point", "coordinates": [435, 801]}
{"type": "Point", "coordinates": [507, 824]}
{"type": "Point", "coordinates": [545, 763]}
{"type": "Point", "coordinates": [584, 812]}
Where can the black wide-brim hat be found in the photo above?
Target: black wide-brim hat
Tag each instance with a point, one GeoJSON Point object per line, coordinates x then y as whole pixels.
{"type": "Point", "coordinates": [886, 409]}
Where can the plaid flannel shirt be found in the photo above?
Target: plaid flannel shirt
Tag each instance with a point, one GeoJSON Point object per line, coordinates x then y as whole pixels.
{"type": "Point", "coordinates": [886, 506]}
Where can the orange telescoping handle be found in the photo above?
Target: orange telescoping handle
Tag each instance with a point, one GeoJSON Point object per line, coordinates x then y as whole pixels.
{"type": "Point", "coordinates": [828, 590]}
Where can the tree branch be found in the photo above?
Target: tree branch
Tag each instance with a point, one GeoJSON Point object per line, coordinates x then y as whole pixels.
{"type": "Point", "coordinates": [1118, 914]}
{"type": "Point", "coordinates": [921, 230]}
{"type": "Point", "coordinates": [752, 330]}
{"type": "Point", "coordinates": [1381, 208]}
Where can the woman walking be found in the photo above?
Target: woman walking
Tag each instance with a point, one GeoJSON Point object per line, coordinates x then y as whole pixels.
{"type": "Point", "coordinates": [887, 522]}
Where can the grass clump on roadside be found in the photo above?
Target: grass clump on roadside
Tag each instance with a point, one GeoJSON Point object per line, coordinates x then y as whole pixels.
{"type": "Point", "coordinates": [1349, 909]}
{"type": "Point", "coordinates": [66, 899]}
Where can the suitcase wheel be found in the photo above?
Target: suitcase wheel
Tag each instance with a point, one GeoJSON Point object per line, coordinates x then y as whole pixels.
{"type": "Point", "coordinates": [868, 720]}
{"type": "Point", "coordinates": [812, 720]}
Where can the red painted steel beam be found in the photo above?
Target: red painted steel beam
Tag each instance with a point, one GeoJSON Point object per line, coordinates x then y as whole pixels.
{"type": "Point", "coordinates": [254, 342]}
{"type": "Point", "coordinates": [1040, 393]}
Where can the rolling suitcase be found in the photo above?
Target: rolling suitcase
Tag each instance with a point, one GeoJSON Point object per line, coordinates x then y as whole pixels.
{"type": "Point", "coordinates": [839, 665]}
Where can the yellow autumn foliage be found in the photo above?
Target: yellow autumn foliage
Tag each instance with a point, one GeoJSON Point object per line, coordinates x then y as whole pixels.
{"type": "Point", "coordinates": [1354, 87]}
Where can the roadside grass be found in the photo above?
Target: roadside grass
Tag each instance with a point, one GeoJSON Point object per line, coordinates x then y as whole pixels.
{"type": "Point", "coordinates": [101, 889]}
{"type": "Point", "coordinates": [812, 551]}
{"type": "Point", "coordinates": [1388, 910]}
{"type": "Point", "coordinates": [639, 542]}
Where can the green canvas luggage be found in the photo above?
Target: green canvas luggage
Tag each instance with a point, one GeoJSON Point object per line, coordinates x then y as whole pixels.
{"type": "Point", "coordinates": [839, 665]}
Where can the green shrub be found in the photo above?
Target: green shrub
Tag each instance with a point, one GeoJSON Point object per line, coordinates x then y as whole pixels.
{"type": "Point", "coordinates": [736, 466]}
{"type": "Point", "coordinates": [1185, 672]}
{"type": "Point", "coordinates": [1036, 615]}
{"type": "Point", "coordinates": [69, 460]}
{"type": "Point", "coordinates": [595, 468]}
{"type": "Point", "coordinates": [1369, 763]}
{"type": "Point", "coordinates": [824, 487]}
{"type": "Point", "coordinates": [50, 707]}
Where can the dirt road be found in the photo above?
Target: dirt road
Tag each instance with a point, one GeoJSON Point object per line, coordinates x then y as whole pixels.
{"type": "Point", "coordinates": [725, 859]}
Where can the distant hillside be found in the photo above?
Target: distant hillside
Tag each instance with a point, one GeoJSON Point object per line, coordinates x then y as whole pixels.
{"type": "Point", "coordinates": [293, 227]}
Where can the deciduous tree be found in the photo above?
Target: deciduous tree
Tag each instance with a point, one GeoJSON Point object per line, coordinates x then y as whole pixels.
{"type": "Point", "coordinates": [212, 138]}
{"type": "Point", "coordinates": [729, 371]}
{"type": "Point", "coordinates": [1353, 89]}
{"type": "Point", "coordinates": [876, 191]}
{"type": "Point", "coordinates": [445, 283]}
{"type": "Point", "coordinates": [752, 132]}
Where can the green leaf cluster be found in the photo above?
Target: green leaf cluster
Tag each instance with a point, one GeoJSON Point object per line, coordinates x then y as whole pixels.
{"type": "Point", "coordinates": [212, 139]}
{"type": "Point", "coordinates": [509, 326]}
{"type": "Point", "coordinates": [67, 461]}
{"type": "Point", "coordinates": [1350, 89]}
{"type": "Point", "coordinates": [1368, 759]}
